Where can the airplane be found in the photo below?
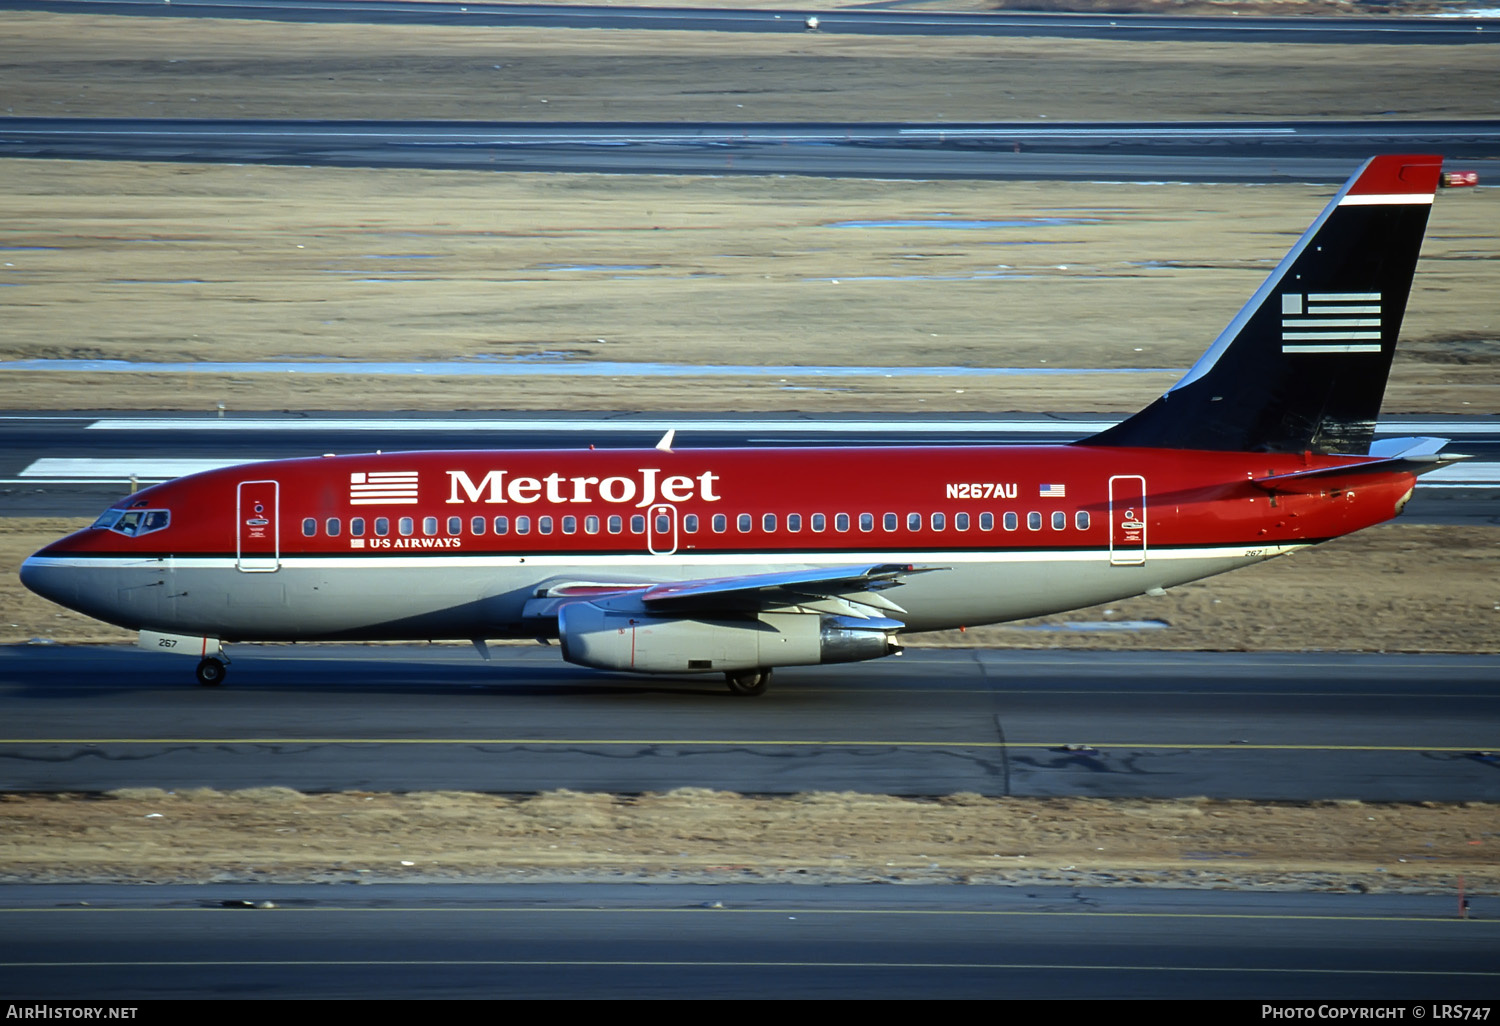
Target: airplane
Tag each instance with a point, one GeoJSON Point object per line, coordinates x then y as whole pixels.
{"type": "Point", "coordinates": [737, 561]}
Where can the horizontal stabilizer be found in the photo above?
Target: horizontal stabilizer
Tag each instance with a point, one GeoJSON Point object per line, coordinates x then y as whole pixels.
{"type": "Point", "coordinates": [1396, 455]}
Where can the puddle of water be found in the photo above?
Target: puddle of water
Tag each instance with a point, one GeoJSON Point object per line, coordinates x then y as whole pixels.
{"type": "Point", "coordinates": [976, 276]}
{"type": "Point", "coordinates": [596, 267]}
{"type": "Point", "coordinates": [963, 224]}
{"type": "Point", "coordinates": [545, 354]}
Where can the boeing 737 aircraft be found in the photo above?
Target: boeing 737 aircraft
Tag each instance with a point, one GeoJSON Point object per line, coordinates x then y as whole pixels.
{"type": "Point", "coordinates": [736, 561]}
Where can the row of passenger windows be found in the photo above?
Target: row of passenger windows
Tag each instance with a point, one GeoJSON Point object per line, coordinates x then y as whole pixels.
{"type": "Point", "coordinates": [719, 523]}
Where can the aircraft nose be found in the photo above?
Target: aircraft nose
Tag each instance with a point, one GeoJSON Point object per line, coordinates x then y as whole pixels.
{"type": "Point", "coordinates": [42, 575]}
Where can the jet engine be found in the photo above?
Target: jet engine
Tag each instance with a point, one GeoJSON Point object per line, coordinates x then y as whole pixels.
{"type": "Point", "coordinates": [613, 639]}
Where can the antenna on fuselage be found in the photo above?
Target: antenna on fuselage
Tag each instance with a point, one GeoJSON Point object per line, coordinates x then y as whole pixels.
{"type": "Point", "coordinates": [665, 445]}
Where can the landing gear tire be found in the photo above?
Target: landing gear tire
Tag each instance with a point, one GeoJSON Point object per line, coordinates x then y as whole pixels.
{"type": "Point", "coordinates": [211, 673]}
{"type": "Point", "coordinates": [748, 682]}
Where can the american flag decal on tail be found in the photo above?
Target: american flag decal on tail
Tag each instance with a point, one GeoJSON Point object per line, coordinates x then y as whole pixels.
{"type": "Point", "coordinates": [1330, 322]}
{"type": "Point", "coordinates": [383, 488]}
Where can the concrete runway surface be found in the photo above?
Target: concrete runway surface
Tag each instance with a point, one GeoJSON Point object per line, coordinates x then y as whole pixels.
{"type": "Point", "coordinates": [727, 941]}
{"type": "Point", "coordinates": [1286, 726]}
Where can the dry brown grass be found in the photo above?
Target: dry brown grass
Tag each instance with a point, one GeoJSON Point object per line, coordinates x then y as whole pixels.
{"type": "Point", "coordinates": [144, 834]}
{"type": "Point", "coordinates": [195, 263]}
{"type": "Point", "coordinates": [65, 65]}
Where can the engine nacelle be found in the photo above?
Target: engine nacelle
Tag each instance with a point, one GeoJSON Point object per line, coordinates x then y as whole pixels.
{"type": "Point", "coordinates": [612, 639]}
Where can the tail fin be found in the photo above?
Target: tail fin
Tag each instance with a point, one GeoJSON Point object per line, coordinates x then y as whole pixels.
{"type": "Point", "coordinates": [1303, 366]}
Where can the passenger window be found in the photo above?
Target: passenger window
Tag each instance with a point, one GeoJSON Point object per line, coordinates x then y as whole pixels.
{"type": "Point", "coordinates": [939, 521]}
{"type": "Point", "coordinates": [543, 525]}
{"type": "Point", "coordinates": [357, 527]}
{"type": "Point", "coordinates": [721, 523]}
{"type": "Point", "coordinates": [819, 522]}
{"type": "Point", "coordinates": [768, 522]}
{"type": "Point", "coordinates": [1012, 522]}
{"type": "Point", "coordinates": [429, 526]}
{"type": "Point", "coordinates": [960, 521]}
{"type": "Point", "coordinates": [841, 521]}
{"type": "Point", "coordinates": [690, 523]}
{"type": "Point", "coordinates": [913, 521]}
{"type": "Point", "coordinates": [1059, 520]}
{"type": "Point", "coordinates": [743, 523]}
{"type": "Point", "coordinates": [663, 524]}
{"type": "Point", "coordinates": [523, 525]}
{"type": "Point", "coordinates": [1081, 520]}
{"type": "Point", "coordinates": [1033, 521]}
{"type": "Point", "coordinates": [867, 521]}
{"type": "Point", "coordinates": [891, 521]}
{"type": "Point", "coordinates": [638, 524]}
{"type": "Point", "coordinates": [382, 526]}
{"type": "Point", "coordinates": [502, 525]}
{"type": "Point", "coordinates": [986, 521]}
{"type": "Point", "coordinates": [794, 522]}
{"type": "Point", "coordinates": [309, 527]}
{"type": "Point", "coordinates": [333, 526]}
{"type": "Point", "coordinates": [570, 525]}
{"type": "Point", "coordinates": [616, 525]}
{"type": "Point", "coordinates": [406, 525]}
{"type": "Point", "coordinates": [591, 524]}
{"type": "Point", "coordinates": [456, 525]}
{"type": "Point", "coordinates": [476, 525]}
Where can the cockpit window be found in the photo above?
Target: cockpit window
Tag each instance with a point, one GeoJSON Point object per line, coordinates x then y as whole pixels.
{"type": "Point", "coordinates": [134, 522]}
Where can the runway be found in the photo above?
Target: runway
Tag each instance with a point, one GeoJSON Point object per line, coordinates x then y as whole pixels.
{"type": "Point", "coordinates": [78, 464]}
{"type": "Point", "coordinates": [725, 941]}
{"type": "Point", "coordinates": [1312, 151]}
{"type": "Point", "coordinates": [872, 20]}
{"type": "Point", "coordinates": [1289, 726]}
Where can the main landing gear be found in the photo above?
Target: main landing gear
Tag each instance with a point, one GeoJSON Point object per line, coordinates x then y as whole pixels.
{"type": "Point", "coordinates": [211, 672]}
{"type": "Point", "coordinates": [749, 682]}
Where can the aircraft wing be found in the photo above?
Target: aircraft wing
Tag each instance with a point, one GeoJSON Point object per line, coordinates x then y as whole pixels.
{"type": "Point", "coordinates": [783, 589]}
{"type": "Point", "coordinates": [846, 591]}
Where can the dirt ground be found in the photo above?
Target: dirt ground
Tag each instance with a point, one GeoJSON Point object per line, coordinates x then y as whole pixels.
{"type": "Point", "coordinates": [277, 835]}
{"type": "Point", "coordinates": [182, 262]}
{"type": "Point", "coordinates": [54, 65]}
{"type": "Point", "coordinates": [1274, 8]}
{"type": "Point", "coordinates": [190, 263]}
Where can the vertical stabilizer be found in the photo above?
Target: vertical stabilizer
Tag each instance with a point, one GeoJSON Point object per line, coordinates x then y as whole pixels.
{"type": "Point", "coordinates": [1304, 365]}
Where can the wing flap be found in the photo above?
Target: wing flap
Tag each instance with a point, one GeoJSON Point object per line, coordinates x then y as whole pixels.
{"type": "Point", "coordinates": [856, 585]}
{"type": "Point", "coordinates": [842, 591]}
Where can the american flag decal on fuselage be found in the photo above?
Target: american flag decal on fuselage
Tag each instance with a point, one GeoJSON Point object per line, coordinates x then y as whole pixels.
{"type": "Point", "coordinates": [383, 488]}
{"type": "Point", "coordinates": [1330, 322]}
